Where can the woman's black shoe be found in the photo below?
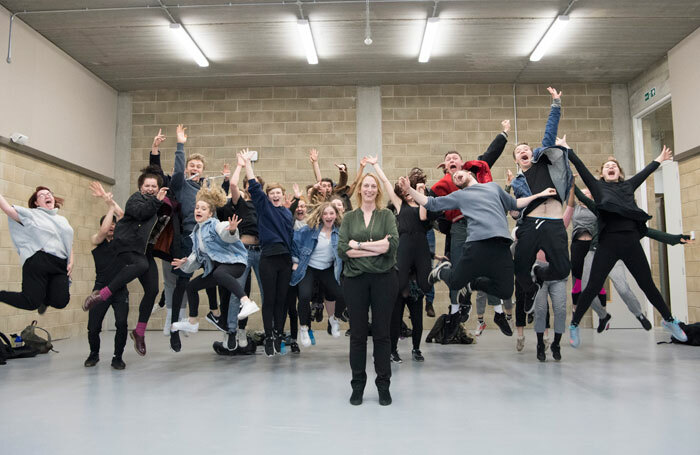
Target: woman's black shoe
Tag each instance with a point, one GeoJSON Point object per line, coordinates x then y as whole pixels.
{"type": "Point", "coordinates": [356, 397]}
{"type": "Point", "coordinates": [384, 397]}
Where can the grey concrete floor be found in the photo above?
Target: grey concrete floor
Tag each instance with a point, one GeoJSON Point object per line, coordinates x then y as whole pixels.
{"type": "Point", "coordinates": [618, 392]}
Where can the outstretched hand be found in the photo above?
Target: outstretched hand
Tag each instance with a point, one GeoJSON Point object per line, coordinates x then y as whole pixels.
{"type": "Point", "coordinates": [404, 184]}
{"type": "Point", "coordinates": [181, 135]}
{"type": "Point", "coordinates": [177, 263]}
{"type": "Point", "coordinates": [666, 155]}
{"type": "Point", "coordinates": [553, 92]}
{"type": "Point", "coordinates": [506, 125]}
{"type": "Point", "coordinates": [561, 141]}
{"type": "Point", "coordinates": [160, 137]}
{"type": "Point", "coordinates": [161, 193]}
{"type": "Point", "coordinates": [313, 155]}
{"type": "Point", "coordinates": [233, 222]}
{"type": "Point", "coordinates": [371, 160]}
{"type": "Point", "coordinates": [297, 191]}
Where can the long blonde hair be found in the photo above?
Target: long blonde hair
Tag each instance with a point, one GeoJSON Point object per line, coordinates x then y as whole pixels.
{"type": "Point", "coordinates": [377, 198]}
{"type": "Point", "coordinates": [316, 216]}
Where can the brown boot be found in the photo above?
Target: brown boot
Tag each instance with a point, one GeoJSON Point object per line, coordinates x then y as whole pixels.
{"type": "Point", "coordinates": [139, 343]}
{"type": "Point", "coordinates": [92, 300]}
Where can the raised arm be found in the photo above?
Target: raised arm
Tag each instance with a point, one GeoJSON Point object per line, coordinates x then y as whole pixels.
{"type": "Point", "coordinates": [550, 130]}
{"type": "Point", "coordinates": [497, 145]}
{"type": "Point", "coordinates": [422, 212]}
{"type": "Point", "coordinates": [420, 197]}
{"type": "Point", "coordinates": [101, 233]}
{"type": "Point", "coordinates": [240, 164]}
{"type": "Point", "coordinates": [358, 178]}
{"type": "Point", "coordinates": [8, 209]}
{"type": "Point", "coordinates": [313, 158]}
{"type": "Point", "coordinates": [178, 179]}
{"type": "Point", "coordinates": [588, 202]}
{"type": "Point", "coordinates": [388, 187]}
{"type": "Point", "coordinates": [637, 179]}
{"type": "Point", "coordinates": [670, 239]}
{"type": "Point", "coordinates": [99, 191]}
{"type": "Point", "coordinates": [588, 179]}
{"type": "Point", "coordinates": [155, 148]}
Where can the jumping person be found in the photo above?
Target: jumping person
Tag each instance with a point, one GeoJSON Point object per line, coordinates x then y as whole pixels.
{"type": "Point", "coordinates": [275, 227]}
{"type": "Point", "coordinates": [367, 244]}
{"type": "Point", "coordinates": [134, 236]}
{"type": "Point", "coordinates": [107, 266]}
{"type": "Point", "coordinates": [620, 227]}
{"type": "Point", "coordinates": [44, 242]}
{"type": "Point", "coordinates": [315, 258]}
{"type": "Point", "coordinates": [217, 247]}
{"type": "Point", "coordinates": [484, 205]}
{"type": "Point", "coordinates": [541, 226]}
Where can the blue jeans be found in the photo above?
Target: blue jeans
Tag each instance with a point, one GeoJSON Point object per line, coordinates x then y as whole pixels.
{"type": "Point", "coordinates": [233, 303]}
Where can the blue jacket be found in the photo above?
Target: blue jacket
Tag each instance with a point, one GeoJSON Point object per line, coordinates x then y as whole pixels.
{"type": "Point", "coordinates": [185, 190]}
{"type": "Point", "coordinates": [559, 171]}
{"type": "Point", "coordinates": [304, 243]}
{"type": "Point", "coordinates": [274, 223]}
{"type": "Point", "coordinates": [221, 246]}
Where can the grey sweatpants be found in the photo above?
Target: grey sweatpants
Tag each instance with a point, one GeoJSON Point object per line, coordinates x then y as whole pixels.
{"type": "Point", "coordinates": [482, 298]}
{"type": "Point", "coordinates": [169, 279]}
{"type": "Point", "coordinates": [556, 290]}
{"type": "Point", "coordinates": [619, 279]}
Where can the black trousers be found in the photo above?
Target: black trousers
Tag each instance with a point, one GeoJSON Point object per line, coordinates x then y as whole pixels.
{"type": "Point", "coordinates": [625, 246]}
{"type": "Point", "coordinates": [120, 304]}
{"type": "Point", "coordinates": [549, 235]}
{"type": "Point", "coordinates": [579, 250]}
{"type": "Point", "coordinates": [329, 287]}
{"type": "Point", "coordinates": [144, 268]}
{"type": "Point", "coordinates": [223, 275]}
{"type": "Point", "coordinates": [275, 273]}
{"type": "Point", "coordinates": [291, 310]}
{"type": "Point", "coordinates": [485, 264]}
{"type": "Point", "coordinates": [415, 309]}
{"type": "Point", "coordinates": [376, 291]}
{"type": "Point", "coordinates": [44, 281]}
{"type": "Point", "coordinates": [413, 255]}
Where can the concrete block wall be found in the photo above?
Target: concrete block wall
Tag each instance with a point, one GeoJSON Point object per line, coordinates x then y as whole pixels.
{"type": "Point", "coordinates": [690, 199]}
{"type": "Point", "coordinates": [19, 176]}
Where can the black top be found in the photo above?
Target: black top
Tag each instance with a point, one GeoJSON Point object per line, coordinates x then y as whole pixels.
{"type": "Point", "coordinates": [409, 221]}
{"type": "Point", "coordinates": [107, 266]}
{"type": "Point", "coordinates": [245, 210]}
{"type": "Point", "coordinates": [538, 179]}
{"type": "Point", "coordinates": [615, 200]}
{"type": "Point", "coordinates": [134, 229]}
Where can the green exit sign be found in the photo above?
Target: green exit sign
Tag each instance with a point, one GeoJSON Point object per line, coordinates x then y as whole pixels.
{"type": "Point", "coordinates": [650, 94]}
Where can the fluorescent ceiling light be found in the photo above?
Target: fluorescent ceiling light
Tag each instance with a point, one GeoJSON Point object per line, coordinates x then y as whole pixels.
{"type": "Point", "coordinates": [308, 40]}
{"type": "Point", "coordinates": [426, 47]}
{"type": "Point", "coordinates": [189, 44]}
{"type": "Point", "coordinates": [549, 38]}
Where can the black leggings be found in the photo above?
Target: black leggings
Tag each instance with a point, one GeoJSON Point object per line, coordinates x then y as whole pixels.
{"type": "Point", "coordinates": [330, 287]}
{"type": "Point", "coordinates": [625, 246]}
{"type": "Point", "coordinates": [275, 273]}
{"type": "Point", "coordinates": [378, 292]}
{"type": "Point", "coordinates": [144, 268]}
{"type": "Point", "coordinates": [485, 264]}
{"type": "Point", "coordinates": [413, 255]}
{"type": "Point", "coordinates": [223, 275]}
{"type": "Point", "coordinates": [291, 309]}
{"type": "Point", "coordinates": [579, 250]}
{"type": "Point", "coordinates": [44, 282]}
{"type": "Point", "coordinates": [415, 309]}
{"type": "Point", "coordinates": [120, 304]}
{"type": "Point", "coordinates": [535, 234]}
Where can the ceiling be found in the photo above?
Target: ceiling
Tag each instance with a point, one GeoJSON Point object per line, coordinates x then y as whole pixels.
{"type": "Point", "coordinates": [257, 43]}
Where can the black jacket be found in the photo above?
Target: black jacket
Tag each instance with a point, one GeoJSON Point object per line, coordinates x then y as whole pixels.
{"type": "Point", "coordinates": [134, 229]}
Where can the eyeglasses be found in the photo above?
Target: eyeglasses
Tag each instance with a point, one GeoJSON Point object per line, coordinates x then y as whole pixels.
{"type": "Point", "coordinates": [43, 194]}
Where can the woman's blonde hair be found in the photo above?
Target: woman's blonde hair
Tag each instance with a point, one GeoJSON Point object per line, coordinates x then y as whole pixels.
{"type": "Point", "coordinates": [378, 198]}
{"type": "Point", "coordinates": [316, 217]}
{"type": "Point", "coordinates": [214, 197]}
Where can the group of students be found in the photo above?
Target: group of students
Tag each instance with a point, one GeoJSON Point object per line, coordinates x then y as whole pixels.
{"type": "Point", "coordinates": [363, 263]}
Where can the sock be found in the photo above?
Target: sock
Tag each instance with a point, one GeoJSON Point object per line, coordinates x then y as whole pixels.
{"type": "Point", "coordinates": [481, 319]}
{"type": "Point", "coordinates": [540, 338]}
{"type": "Point", "coordinates": [557, 338]}
{"type": "Point", "coordinates": [498, 309]}
{"type": "Point", "coordinates": [509, 316]}
{"type": "Point", "coordinates": [105, 293]}
{"type": "Point", "coordinates": [141, 328]}
{"type": "Point", "coordinates": [454, 308]}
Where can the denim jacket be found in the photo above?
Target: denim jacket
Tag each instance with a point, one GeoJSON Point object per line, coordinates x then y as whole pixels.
{"type": "Point", "coordinates": [303, 244]}
{"type": "Point", "coordinates": [559, 171]}
{"type": "Point", "coordinates": [221, 246]}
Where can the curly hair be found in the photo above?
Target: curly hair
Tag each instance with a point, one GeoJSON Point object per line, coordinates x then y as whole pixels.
{"type": "Point", "coordinates": [213, 197]}
{"type": "Point", "coordinates": [151, 172]}
{"type": "Point", "coordinates": [316, 217]}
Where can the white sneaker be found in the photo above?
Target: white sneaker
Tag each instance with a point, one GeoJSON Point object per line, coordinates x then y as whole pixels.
{"type": "Point", "coordinates": [166, 325]}
{"type": "Point", "coordinates": [304, 338]}
{"type": "Point", "coordinates": [242, 338]}
{"type": "Point", "coordinates": [247, 308]}
{"type": "Point", "coordinates": [185, 326]}
{"type": "Point", "coordinates": [335, 326]}
{"type": "Point", "coordinates": [480, 327]}
{"type": "Point", "coordinates": [547, 343]}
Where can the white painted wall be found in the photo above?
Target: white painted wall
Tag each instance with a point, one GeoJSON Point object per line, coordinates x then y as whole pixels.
{"type": "Point", "coordinates": [684, 68]}
{"type": "Point", "coordinates": [65, 110]}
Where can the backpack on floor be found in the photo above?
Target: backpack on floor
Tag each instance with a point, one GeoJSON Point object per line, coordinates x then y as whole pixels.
{"type": "Point", "coordinates": [437, 334]}
{"type": "Point", "coordinates": [38, 343]}
{"type": "Point", "coordinates": [692, 331]}
{"type": "Point", "coordinates": [7, 351]}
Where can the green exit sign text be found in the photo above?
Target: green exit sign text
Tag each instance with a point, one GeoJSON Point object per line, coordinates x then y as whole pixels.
{"type": "Point", "coordinates": [650, 94]}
